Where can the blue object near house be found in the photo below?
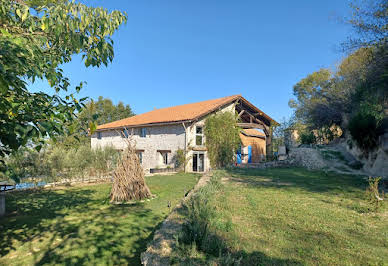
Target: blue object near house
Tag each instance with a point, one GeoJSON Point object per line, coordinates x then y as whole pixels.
{"type": "Point", "coordinates": [239, 155]}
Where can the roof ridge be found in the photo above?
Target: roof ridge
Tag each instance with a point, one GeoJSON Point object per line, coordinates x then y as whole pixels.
{"type": "Point", "coordinates": [179, 113]}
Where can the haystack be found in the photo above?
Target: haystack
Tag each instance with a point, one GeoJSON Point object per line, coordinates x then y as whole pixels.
{"type": "Point", "coordinates": [128, 178]}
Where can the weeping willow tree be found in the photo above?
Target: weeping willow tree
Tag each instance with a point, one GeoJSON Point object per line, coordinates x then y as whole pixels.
{"type": "Point", "coordinates": [128, 178]}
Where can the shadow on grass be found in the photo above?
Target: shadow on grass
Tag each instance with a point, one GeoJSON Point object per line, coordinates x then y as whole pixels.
{"type": "Point", "coordinates": [72, 226]}
{"type": "Point", "coordinates": [239, 258]}
{"type": "Point", "coordinates": [214, 250]}
{"type": "Point", "coordinates": [312, 181]}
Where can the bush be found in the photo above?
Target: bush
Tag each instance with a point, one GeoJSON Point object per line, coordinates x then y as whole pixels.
{"type": "Point", "coordinates": [55, 163]}
{"type": "Point", "coordinates": [198, 230]}
{"type": "Point", "coordinates": [199, 233]}
{"type": "Point", "coordinates": [374, 197]}
{"type": "Point", "coordinates": [222, 137]}
{"type": "Point", "coordinates": [307, 138]}
{"type": "Point", "coordinates": [363, 129]}
{"type": "Point", "coordinates": [180, 159]}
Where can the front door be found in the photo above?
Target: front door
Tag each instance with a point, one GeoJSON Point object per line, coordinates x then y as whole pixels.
{"type": "Point", "coordinates": [198, 162]}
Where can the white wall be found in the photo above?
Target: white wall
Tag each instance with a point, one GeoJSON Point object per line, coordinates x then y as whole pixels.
{"type": "Point", "coordinates": [169, 137]}
{"type": "Point", "coordinates": [190, 139]}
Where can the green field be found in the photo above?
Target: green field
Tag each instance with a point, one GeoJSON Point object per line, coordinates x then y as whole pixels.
{"type": "Point", "coordinates": [77, 225]}
{"type": "Point", "coordinates": [292, 216]}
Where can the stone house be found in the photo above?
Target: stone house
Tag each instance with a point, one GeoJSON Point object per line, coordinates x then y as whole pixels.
{"type": "Point", "coordinates": [160, 133]}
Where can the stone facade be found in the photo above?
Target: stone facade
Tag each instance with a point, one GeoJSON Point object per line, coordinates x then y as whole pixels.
{"type": "Point", "coordinates": [157, 141]}
{"type": "Point", "coordinates": [167, 138]}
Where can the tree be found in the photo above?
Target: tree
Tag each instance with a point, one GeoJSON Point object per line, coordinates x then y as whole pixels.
{"type": "Point", "coordinates": [369, 20]}
{"type": "Point", "coordinates": [36, 38]}
{"type": "Point", "coordinates": [103, 111]}
{"type": "Point", "coordinates": [222, 138]}
{"type": "Point", "coordinates": [93, 113]}
{"type": "Point", "coordinates": [318, 104]}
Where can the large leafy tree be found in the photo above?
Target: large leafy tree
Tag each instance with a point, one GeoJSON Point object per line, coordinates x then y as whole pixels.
{"type": "Point", "coordinates": [36, 38]}
{"type": "Point", "coordinates": [92, 114]}
{"type": "Point", "coordinates": [317, 102]}
{"type": "Point", "coordinates": [103, 111]}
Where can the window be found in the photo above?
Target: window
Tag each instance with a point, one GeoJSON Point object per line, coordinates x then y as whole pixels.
{"type": "Point", "coordinates": [165, 157]}
{"type": "Point", "coordinates": [198, 136]}
{"type": "Point", "coordinates": [143, 132]}
{"type": "Point", "coordinates": [99, 135]}
{"type": "Point", "coordinates": [125, 133]}
{"type": "Point", "coordinates": [140, 155]}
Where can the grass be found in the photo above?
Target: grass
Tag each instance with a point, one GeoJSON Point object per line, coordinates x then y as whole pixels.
{"type": "Point", "coordinates": [332, 155]}
{"type": "Point", "coordinates": [77, 225]}
{"type": "Point", "coordinates": [293, 217]}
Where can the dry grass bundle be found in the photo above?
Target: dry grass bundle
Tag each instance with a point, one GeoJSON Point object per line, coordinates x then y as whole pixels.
{"type": "Point", "coordinates": [128, 178]}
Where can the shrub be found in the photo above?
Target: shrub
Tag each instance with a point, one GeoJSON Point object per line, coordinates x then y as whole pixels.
{"type": "Point", "coordinates": [222, 137]}
{"type": "Point", "coordinates": [55, 163]}
{"type": "Point", "coordinates": [180, 159]}
{"type": "Point", "coordinates": [307, 138]}
{"type": "Point", "coordinates": [374, 197]}
{"type": "Point", "coordinates": [197, 230]}
{"type": "Point", "coordinates": [363, 129]}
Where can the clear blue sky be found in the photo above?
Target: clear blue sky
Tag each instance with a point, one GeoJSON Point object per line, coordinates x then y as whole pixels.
{"type": "Point", "coordinates": [173, 52]}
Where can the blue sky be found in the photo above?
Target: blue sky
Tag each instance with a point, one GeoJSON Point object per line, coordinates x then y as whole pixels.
{"type": "Point", "coordinates": [174, 52]}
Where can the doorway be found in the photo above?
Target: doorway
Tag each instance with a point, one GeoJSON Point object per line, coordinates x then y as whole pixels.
{"type": "Point", "coordinates": [198, 162]}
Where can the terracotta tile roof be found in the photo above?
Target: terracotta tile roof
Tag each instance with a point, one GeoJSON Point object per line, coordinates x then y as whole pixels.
{"type": "Point", "coordinates": [186, 112]}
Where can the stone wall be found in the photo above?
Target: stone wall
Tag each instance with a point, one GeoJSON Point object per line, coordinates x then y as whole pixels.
{"type": "Point", "coordinates": [309, 158]}
{"type": "Point", "coordinates": [165, 137]}
{"type": "Point", "coordinates": [168, 137]}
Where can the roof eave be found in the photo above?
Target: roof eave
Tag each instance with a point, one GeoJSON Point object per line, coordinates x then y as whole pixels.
{"type": "Point", "coordinates": [146, 125]}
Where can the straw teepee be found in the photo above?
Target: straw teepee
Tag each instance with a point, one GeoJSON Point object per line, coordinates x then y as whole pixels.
{"type": "Point", "coordinates": [128, 178]}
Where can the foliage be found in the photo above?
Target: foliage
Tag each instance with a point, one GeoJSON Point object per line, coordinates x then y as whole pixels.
{"type": "Point", "coordinates": [197, 230]}
{"type": "Point", "coordinates": [57, 163]}
{"type": "Point", "coordinates": [77, 225]}
{"type": "Point", "coordinates": [363, 129]}
{"type": "Point", "coordinates": [358, 88]}
{"type": "Point", "coordinates": [307, 138]}
{"type": "Point", "coordinates": [222, 138]}
{"type": "Point", "coordinates": [36, 38]}
{"type": "Point", "coordinates": [282, 133]}
{"type": "Point", "coordinates": [103, 111]}
{"type": "Point", "coordinates": [373, 194]}
{"type": "Point", "coordinates": [369, 20]}
{"type": "Point", "coordinates": [92, 114]}
{"type": "Point", "coordinates": [181, 159]}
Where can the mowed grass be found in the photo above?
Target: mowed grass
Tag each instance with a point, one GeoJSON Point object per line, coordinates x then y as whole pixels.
{"type": "Point", "coordinates": [77, 225]}
{"type": "Point", "coordinates": [298, 217]}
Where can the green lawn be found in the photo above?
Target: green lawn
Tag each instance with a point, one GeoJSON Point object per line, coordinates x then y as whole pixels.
{"type": "Point", "coordinates": [77, 225]}
{"type": "Point", "coordinates": [295, 216]}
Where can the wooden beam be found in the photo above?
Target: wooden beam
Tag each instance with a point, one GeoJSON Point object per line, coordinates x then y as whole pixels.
{"type": "Point", "coordinates": [250, 125]}
{"type": "Point", "coordinates": [239, 114]}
